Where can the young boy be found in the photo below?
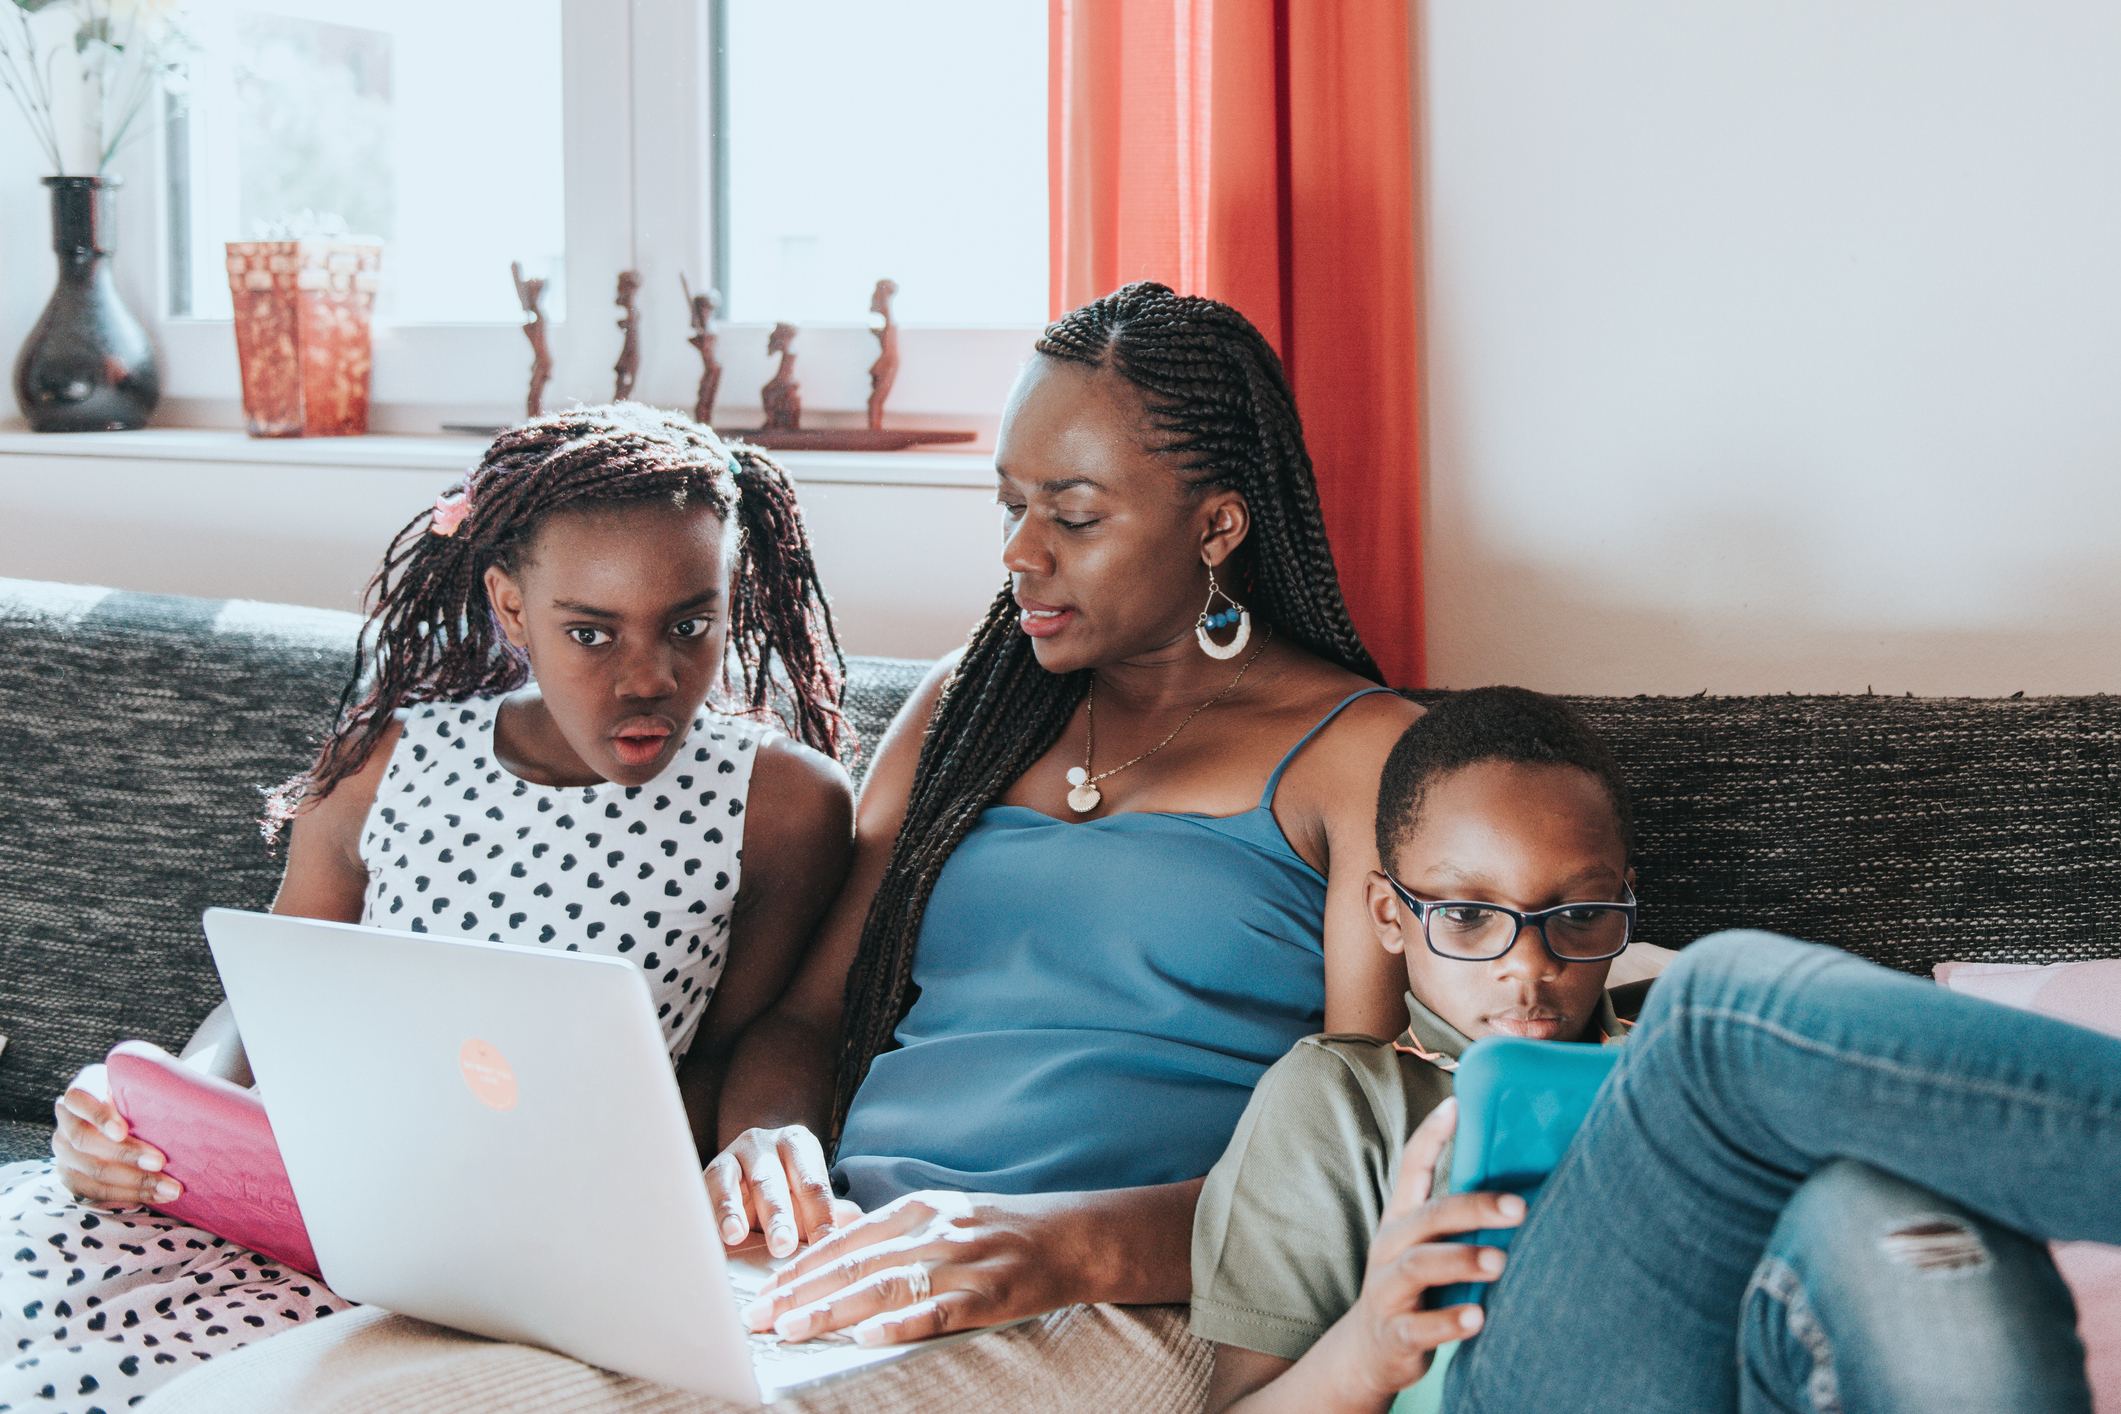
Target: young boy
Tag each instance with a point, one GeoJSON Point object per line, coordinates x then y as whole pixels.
{"type": "Point", "coordinates": [1497, 796]}
{"type": "Point", "coordinates": [1775, 1203]}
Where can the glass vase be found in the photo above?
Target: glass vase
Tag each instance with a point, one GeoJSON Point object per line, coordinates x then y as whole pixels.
{"type": "Point", "coordinates": [87, 366]}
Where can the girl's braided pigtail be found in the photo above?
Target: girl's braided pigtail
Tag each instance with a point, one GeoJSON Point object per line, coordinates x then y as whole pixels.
{"type": "Point", "coordinates": [778, 609]}
{"type": "Point", "coordinates": [429, 635]}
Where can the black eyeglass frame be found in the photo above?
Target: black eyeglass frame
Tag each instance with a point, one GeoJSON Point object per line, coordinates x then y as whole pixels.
{"type": "Point", "coordinates": [1536, 920]}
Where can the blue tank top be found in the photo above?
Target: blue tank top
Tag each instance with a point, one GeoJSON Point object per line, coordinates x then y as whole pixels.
{"type": "Point", "coordinates": [1097, 1001]}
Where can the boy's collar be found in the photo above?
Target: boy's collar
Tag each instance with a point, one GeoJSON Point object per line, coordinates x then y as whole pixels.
{"type": "Point", "coordinates": [1438, 1042]}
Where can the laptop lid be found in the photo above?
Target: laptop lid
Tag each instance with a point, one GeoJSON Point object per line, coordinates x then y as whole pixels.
{"type": "Point", "coordinates": [489, 1137]}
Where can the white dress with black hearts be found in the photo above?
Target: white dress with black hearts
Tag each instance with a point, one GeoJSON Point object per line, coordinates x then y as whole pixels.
{"type": "Point", "coordinates": [100, 1306]}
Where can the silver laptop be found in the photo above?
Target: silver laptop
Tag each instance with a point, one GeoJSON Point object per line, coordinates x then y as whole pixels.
{"type": "Point", "coordinates": [490, 1137]}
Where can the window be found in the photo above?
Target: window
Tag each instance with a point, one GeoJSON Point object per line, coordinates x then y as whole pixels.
{"type": "Point", "coordinates": [860, 141]}
{"type": "Point", "coordinates": [580, 137]}
{"type": "Point", "coordinates": [322, 116]}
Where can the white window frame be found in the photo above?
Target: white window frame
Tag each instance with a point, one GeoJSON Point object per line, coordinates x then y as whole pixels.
{"type": "Point", "coordinates": [638, 151]}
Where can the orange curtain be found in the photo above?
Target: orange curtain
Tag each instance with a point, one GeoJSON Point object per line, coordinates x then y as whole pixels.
{"type": "Point", "coordinates": [1261, 152]}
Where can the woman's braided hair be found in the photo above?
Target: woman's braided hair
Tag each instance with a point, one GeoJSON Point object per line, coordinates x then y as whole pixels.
{"type": "Point", "coordinates": [1215, 391]}
{"type": "Point", "coordinates": [433, 636]}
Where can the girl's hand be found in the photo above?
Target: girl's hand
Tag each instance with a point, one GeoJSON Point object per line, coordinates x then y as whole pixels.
{"type": "Point", "coordinates": [775, 1181]}
{"type": "Point", "coordinates": [96, 1156]}
{"type": "Point", "coordinates": [1385, 1343]}
{"type": "Point", "coordinates": [925, 1265]}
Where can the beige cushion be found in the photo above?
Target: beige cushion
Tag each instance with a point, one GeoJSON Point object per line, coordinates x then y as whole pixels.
{"type": "Point", "coordinates": [1639, 963]}
{"type": "Point", "coordinates": [1077, 1360]}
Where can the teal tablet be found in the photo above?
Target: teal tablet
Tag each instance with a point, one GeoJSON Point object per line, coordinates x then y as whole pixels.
{"type": "Point", "coordinates": [1520, 1104]}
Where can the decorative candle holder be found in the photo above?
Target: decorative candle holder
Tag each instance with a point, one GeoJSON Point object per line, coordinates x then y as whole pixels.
{"type": "Point", "coordinates": [302, 333]}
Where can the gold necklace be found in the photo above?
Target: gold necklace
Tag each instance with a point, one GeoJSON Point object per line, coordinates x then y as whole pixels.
{"type": "Point", "coordinates": [1085, 795]}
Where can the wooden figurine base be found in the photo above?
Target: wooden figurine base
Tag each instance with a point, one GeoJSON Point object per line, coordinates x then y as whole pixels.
{"type": "Point", "coordinates": [845, 439]}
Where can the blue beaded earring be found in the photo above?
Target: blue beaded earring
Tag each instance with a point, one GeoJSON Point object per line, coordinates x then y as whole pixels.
{"type": "Point", "coordinates": [1235, 614]}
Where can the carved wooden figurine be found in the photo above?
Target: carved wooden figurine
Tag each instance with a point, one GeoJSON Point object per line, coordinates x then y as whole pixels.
{"type": "Point", "coordinates": [704, 339]}
{"type": "Point", "coordinates": [783, 397]}
{"type": "Point", "coordinates": [531, 292]}
{"type": "Point", "coordinates": [784, 407]}
{"type": "Point", "coordinates": [629, 362]}
{"type": "Point", "coordinates": [884, 372]}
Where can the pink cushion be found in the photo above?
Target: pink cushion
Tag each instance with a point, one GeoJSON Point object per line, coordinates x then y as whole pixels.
{"type": "Point", "coordinates": [2089, 994]}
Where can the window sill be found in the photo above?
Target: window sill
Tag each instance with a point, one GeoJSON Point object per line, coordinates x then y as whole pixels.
{"type": "Point", "coordinates": [973, 470]}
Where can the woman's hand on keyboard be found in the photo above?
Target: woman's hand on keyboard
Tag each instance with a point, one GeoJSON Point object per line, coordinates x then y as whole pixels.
{"type": "Point", "coordinates": [927, 1264]}
{"type": "Point", "coordinates": [775, 1181]}
{"type": "Point", "coordinates": [95, 1153]}
{"type": "Point", "coordinates": [931, 1263]}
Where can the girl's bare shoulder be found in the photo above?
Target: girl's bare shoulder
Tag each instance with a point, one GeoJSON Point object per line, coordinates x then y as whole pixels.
{"type": "Point", "coordinates": [347, 804]}
{"type": "Point", "coordinates": [325, 876]}
{"type": "Point", "coordinates": [795, 789]}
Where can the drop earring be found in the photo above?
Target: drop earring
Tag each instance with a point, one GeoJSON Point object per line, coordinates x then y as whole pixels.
{"type": "Point", "coordinates": [1235, 614]}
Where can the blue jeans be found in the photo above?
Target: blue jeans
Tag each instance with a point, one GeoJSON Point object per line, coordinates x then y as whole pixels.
{"type": "Point", "coordinates": [1812, 1185]}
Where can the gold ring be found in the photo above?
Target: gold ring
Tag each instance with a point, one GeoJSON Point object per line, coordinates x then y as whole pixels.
{"type": "Point", "coordinates": [917, 1283]}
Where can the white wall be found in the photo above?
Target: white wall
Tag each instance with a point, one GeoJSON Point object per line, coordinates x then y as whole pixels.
{"type": "Point", "coordinates": [27, 267]}
{"type": "Point", "coordinates": [1774, 345]}
{"type": "Point", "coordinates": [910, 568]}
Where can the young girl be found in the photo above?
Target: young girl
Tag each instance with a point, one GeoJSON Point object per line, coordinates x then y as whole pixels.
{"type": "Point", "coordinates": [530, 761]}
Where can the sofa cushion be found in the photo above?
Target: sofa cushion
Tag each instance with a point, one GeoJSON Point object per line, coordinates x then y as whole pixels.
{"type": "Point", "coordinates": [138, 730]}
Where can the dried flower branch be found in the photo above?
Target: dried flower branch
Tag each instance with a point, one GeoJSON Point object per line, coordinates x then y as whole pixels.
{"type": "Point", "coordinates": [125, 49]}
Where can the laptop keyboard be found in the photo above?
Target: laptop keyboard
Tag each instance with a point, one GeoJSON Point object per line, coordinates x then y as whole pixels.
{"type": "Point", "coordinates": [745, 1281]}
{"type": "Point", "coordinates": [770, 1347]}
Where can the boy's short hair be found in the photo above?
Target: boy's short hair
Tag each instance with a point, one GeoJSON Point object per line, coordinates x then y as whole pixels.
{"type": "Point", "coordinates": [1490, 724]}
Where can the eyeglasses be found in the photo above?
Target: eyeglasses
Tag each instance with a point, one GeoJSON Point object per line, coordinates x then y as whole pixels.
{"type": "Point", "coordinates": [1482, 932]}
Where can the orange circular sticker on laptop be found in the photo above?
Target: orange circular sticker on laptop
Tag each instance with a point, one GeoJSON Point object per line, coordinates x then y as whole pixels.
{"type": "Point", "coordinates": [486, 1071]}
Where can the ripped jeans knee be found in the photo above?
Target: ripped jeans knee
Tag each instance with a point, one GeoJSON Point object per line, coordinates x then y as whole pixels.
{"type": "Point", "coordinates": [1878, 1297]}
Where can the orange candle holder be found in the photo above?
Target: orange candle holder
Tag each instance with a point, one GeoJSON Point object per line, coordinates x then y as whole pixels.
{"type": "Point", "coordinates": [302, 334]}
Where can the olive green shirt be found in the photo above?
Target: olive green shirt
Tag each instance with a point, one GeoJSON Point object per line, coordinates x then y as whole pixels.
{"type": "Point", "coordinates": [1281, 1236]}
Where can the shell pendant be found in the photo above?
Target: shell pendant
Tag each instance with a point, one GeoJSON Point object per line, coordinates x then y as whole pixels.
{"type": "Point", "coordinates": [1084, 797]}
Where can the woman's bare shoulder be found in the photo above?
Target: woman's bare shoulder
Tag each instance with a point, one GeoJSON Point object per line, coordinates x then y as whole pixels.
{"type": "Point", "coordinates": [1321, 685]}
{"type": "Point", "coordinates": [900, 745]}
{"type": "Point", "coordinates": [919, 705]}
{"type": "Point", "coordinates": [1341, 765]}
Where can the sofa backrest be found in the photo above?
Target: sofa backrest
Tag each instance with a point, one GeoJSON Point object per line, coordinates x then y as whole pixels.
{"type": "Point", "coordinates": [1911, 831]}
{"type": "Point", "coordinates": [138, 732]}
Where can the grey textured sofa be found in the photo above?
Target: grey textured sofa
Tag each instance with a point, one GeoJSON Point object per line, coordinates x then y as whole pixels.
{"type": "Point", "coordinates": [137, 732]}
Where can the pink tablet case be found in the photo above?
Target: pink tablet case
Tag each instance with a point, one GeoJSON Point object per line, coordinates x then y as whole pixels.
{"type": "Point", "coordinates": [219, 1145]}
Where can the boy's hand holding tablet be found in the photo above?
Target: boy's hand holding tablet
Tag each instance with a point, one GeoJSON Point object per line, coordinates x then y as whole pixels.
{"type": "Point", "coordinates": [1385, 1344]}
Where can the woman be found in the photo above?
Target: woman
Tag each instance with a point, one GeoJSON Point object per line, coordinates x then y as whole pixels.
{"type": "Point", "coordinates": [1105, 853]}
{"type": "Point", "coordinates": [1122, 873]}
